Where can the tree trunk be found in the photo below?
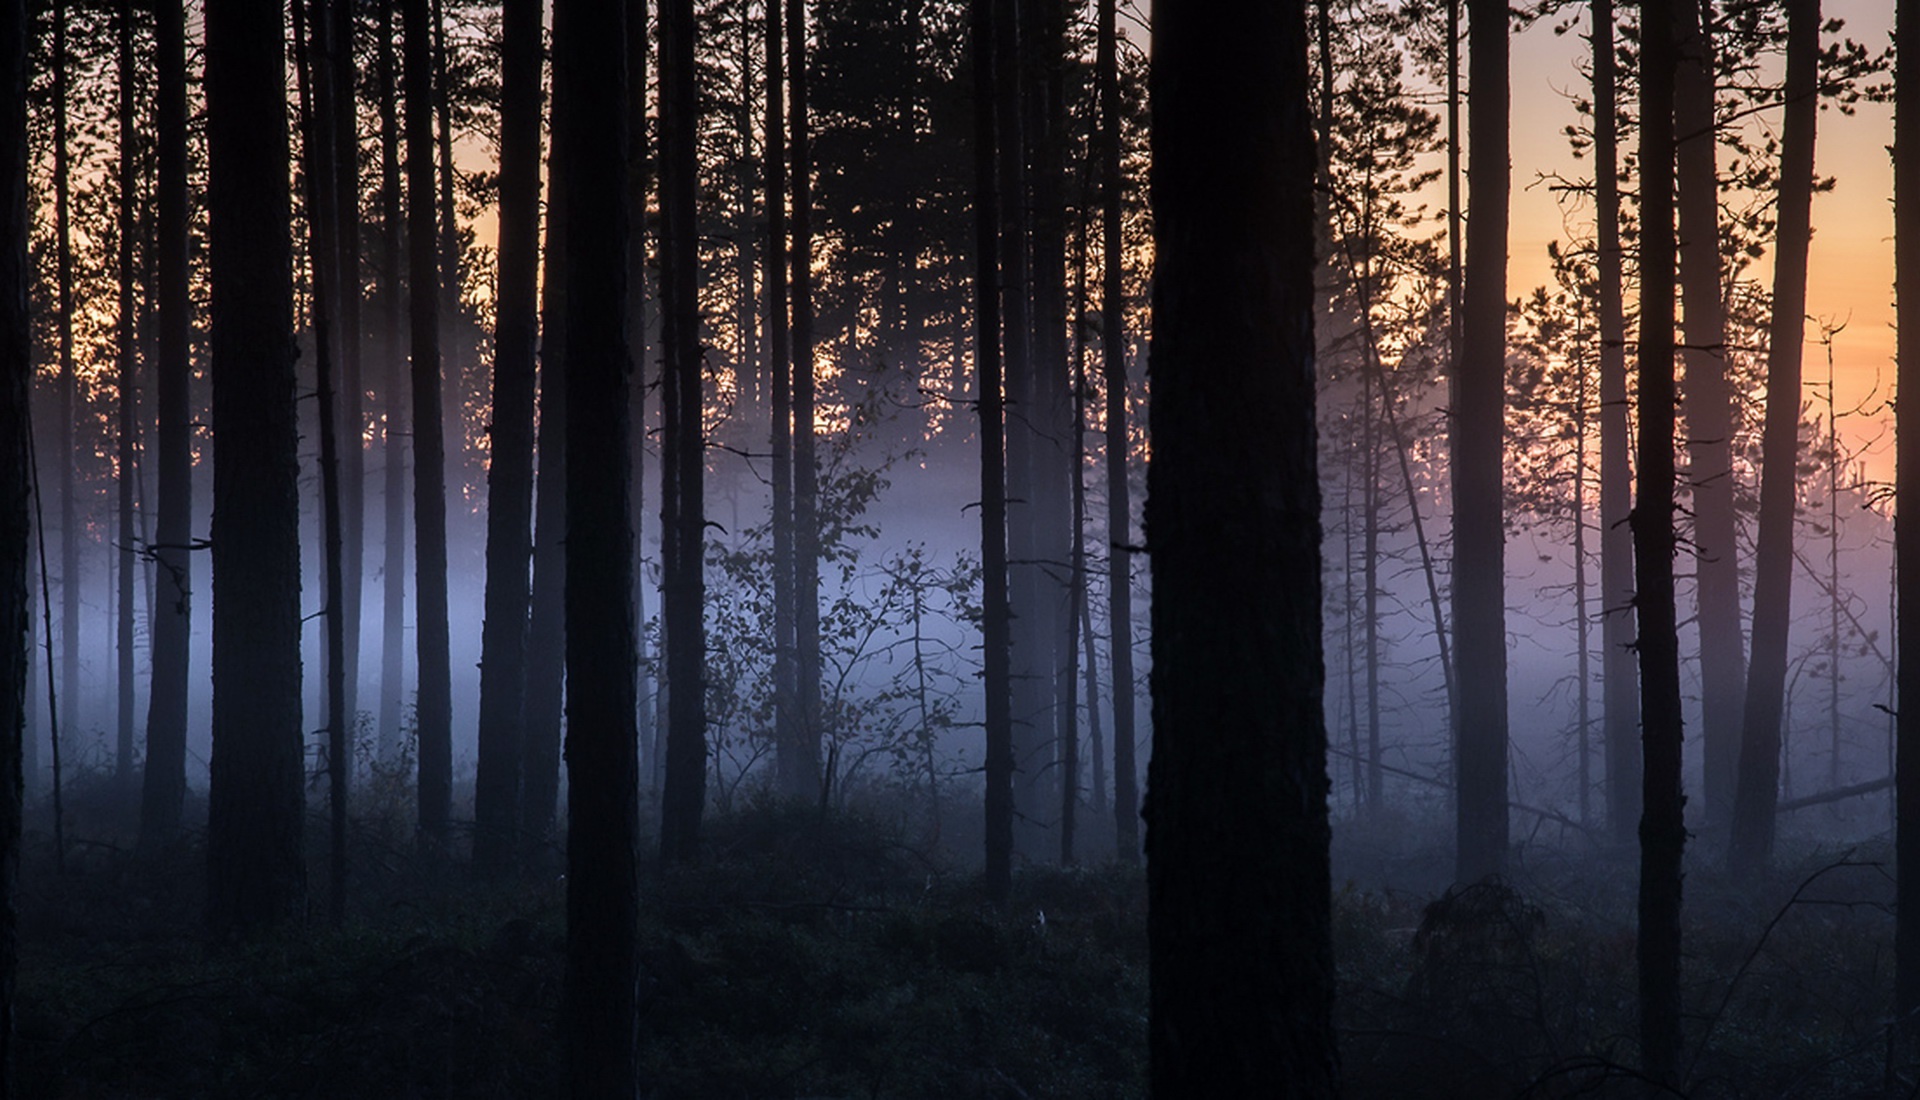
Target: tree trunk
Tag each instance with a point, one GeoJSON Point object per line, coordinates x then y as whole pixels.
{"type": "Point", "coordinates": [995, 617]}
{"type": "Point", "coordinates": [790, 759]}
{"type": "Point", "coordinates": [683, 516]}
{"type": "Point", "coordinates": [1238, 878]}
{"type": "Point", "coordinates": [1663, 831]}
{"type": "Point", "coordinates": [1620, 691]}
{"type": "Point", "coordinates": [394, 554]}
{"type": "Point", "coordinates": [165, 781]}
{"type": "Point", "coordinates": [806, 474]}
{"type": "Point", "coordinates": [256, 874]}
{"type": "Point", "coordinates": [503, 638]}
{"type": "Point", "coordinates": [1709, 407]}
{"type": "Point", "coordinates": [1479, 582]}
{"type": "Point", "coordinates": [1759, 779]}
{"type": "Point", "coordinates": [603, 770]}
{"type": "Point", "coordinates": [639, 40]}
{"type": "Point", "coordinates": [314, 74]}
{"type": "Point", "coordinates": [1113, 356]}
{"type": "Point", "coordinates": [125, 353]}
{"type": "Point", "coordinates": [16, 381]}
{"type": "Point", "coordinates": [66, 450]}
{"type": "Point", "coordinates": [352, 344]}
{"type": "Point", "coordinates": [435, 704]}
{"type": "Point", "coordinates": [1906, 212]}
{"type": "Point", "coordinates": [452, 278]}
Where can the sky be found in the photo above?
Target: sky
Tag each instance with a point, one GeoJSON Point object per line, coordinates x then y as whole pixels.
{"type": "Point", "coordinates": [1850, 279]}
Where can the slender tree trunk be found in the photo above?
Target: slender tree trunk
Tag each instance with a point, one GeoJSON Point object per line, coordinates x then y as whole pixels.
{"type": "Point", "coordinates": [1096, 747]}
{"type": "Point", "coordinates": [684, 518]}
{"type": "Point", "coordinates": [1241, 953]}
{"type": "Point", "coordinates": [790, 761]}
{"type": "Point", "coordinates": [125, 358]}
{"type": "Point", "coordinates": [1113, 354]}
{"type": "Point", "coordinates": [603, 770]}
{"type": "Point", "coordinates": [1663, 831]}
{"type": "Point", "coordinates": [1709, 408]}
{"type": "Point", "coordinates": [256, 873]}
{"type": "Point", "coordinates": [16, 381]}
{"type": "Point", "coordinates": [435, 706]}
{"type": "Point", "coordinates": [806, 473]}
{"type": "Point", "coordinates": [394, 554]}
{"type": "Point", "coordinates": [65, 446]}
{"type": "Point", "coordinates": [496, 793]}
{"type": "Point", "coordinates": [314, 73]}
{"type": "Point", "coordinates": [165, 780]}
{"type": "Point", "coordinates": [639, 42]}
{"type": "Point", "coordinates": [452, 278]}
{"type": "Point", "coordinates": [1906, 213]}
{"type": "Point", "coordinates": [1479, 582]}
{"type": "Point", "coordinates": [1583, 620]}
{"type": "Point", "coordinates": [1759, 780]}
{"type": "Point", "coordinates": [546, 627]}
{"type": "Point", "coordinates": [1620, 691]}
{"type": "Point", "coordinates": [352, 344]}
{"type": "Point", "coordinates": [996, 617]}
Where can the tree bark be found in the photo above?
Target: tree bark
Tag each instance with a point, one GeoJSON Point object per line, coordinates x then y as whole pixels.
{"type": "Point", "coordinates": [16, 381]}
{"type": "Point", "coordinates": [434, 708]}
{"type": "Point", "coordinates": [66, 450]}
{"type": "Point", "coordinates": [503, 639]}
{"type": "Point", "coordinates": [1906, 213]}
{"type": "Point", "coordinates": [1479, 582]}
{"type": "Point", "coordinates": [125, 359]}
{"type": "Point", "coordinates": [1113, 363]}
{"type": "Point", "coordinates": [256, 874]}
{"type": "Point", "coordinates": [1663, 831]}
{"type": "Point", "coordinates": [1759, 779]}
{"type": "Point", "coordinates": [1709, 408]}
{"type": "Point", "coordinates": [806, 473]}
{"type": "Point", "coordinates": [1238, 879]}
{"type": "Point", "coordinates": [790, 760]}
{"type": "Point", "coordinates": [165, 780]}
{"type": "Point", "coordinates": [394, 554]}
{"type": "Point", "coordinates": [352, 343]}
{"type": "Point", "coordinates": [683, 516]}
{"type": "Point", "coordinates": [603, 769]}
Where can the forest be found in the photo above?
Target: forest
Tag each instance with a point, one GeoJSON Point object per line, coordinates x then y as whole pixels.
{"type": "Point", "coordinates": [962, 548]}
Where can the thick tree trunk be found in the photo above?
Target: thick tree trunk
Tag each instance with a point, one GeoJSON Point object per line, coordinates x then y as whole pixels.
{"type": "Point", "coordinates": [394, 451]}
{"type": "Point", "coordinates": [165, 781]}
{"type": "Point", "coordinates": [807, 775]}
{"type": "Point", "coordinates": [1709, 406]}
{"type": "Point", "coordinates": [1906, 212]}
{"type": "Point", "coordinates": [1759, 780]}
{"type": "Point", "coordinates": [683, 516]}
{"type": "Point", "coordinates": [503, 638]}
{"type": "Point", "coordinates": [434, 709]}
{"type": "Point", "coordinates": [639, 42]}
{"type": "Point", "coordinates": [1238, 879]}
{"type": "Point", "coordinates": [125, 358]}
{"type": "Point", "coordinates": [1113, 360]}
{"type": "Point", "coordinates": [16, 381]}
{"type": "Point", "coordinates": [1620, 691]}
{"type": "Point", "coordinates": [1479, 581]}
{"type": "Point", "coordinates": [603, 770]}
{"type": "Point", "coordinates": [1663, 831]}
{"type": "Point", "coordinates": [256, 873]}
{"type": "Point", "coordinates": [995, 618]}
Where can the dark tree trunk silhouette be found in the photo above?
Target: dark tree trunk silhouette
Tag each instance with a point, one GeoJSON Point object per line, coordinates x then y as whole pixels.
{"type": "Point", "coordinates": [1238, 879]}
{"type": "Point", "coordinates": [1709, 408]}
{"type": "Point", "coordinates": [435, 704]}
{"type": "Point", "coordinates": [496, 793]}
{"type": "Point", "coordinates": [256, 875]}
{"type": "Point", "coordinates": [393, 565]}
{"type": "Point", "coordinates": [683, 515]}
{"type": "Point", "coordinates": [1620, 682]}
{"type": "Point", "coordinates": [1663, 833]}
{"type": "Point", "coordinates": [790, 760]}
{"type": "Point", "coordinates": [995, 617]}
{"type": "Point", "coordinates": [603, 770]}
{"type": "Point", "coordinates": [1113, 353]}
{"type": "Point", "coordinates": [314, 74]}
{"type": "Point", "coordinates": [639, 43]}
{"type": "Point", "coordinates": [454, 383]}
{"type": "Point", "coordinates": [1906, 213]}
{"type": "Point", "coordinates": [16, 381]}
{"type": "Point", "coordinates": [1479, 582]}
{"type": "Point", "coordinates": [125, 354]}
{"type": "Point", "coordinates": [546, 624]}
{"type": "Point", "coordinates": [806, 472]}
{"type": "Point", "coordinates": [64, 447]}
{"type": "Point", "coordinates": [165, 779]}
{"type": "Point", "coordinates": [351, 346]}
{"type": "Point", "coordinates": [1758, 791]}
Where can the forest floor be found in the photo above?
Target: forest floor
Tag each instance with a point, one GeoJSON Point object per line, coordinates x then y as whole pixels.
{"type": "Point", "coordinates": [832, 956]}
